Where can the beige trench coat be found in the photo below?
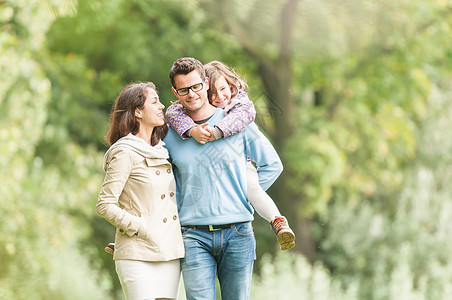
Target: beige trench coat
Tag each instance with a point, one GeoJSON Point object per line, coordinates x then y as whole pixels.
{"type": "Point", "coordinates": [138, 197]}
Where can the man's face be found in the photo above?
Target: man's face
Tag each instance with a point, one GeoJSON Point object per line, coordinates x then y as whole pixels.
{"type": "Point", "coordinates": [196, 94]}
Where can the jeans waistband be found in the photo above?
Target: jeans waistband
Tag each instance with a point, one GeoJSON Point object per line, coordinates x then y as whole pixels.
{"type": "Point", "coordinates": [212, 227]}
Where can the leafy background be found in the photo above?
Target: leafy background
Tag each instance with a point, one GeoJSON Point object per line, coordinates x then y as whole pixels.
{"type": "Point", "coordinates": [355, 96]}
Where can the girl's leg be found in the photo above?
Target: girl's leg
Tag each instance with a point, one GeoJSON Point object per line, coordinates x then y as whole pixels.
{"type": "Point", "coordinates": [261, 201]}
{"type": "Point", "coordinates": [267, 209]}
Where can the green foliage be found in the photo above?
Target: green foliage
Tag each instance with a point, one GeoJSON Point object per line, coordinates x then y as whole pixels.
{"type": "Point", "coordinates": [404, 254]}
{"type": "Point", "coordinates": [291, 276]}
{"type": "Point", "coordinates": [136, 40]}
{"type": "Point", "coordinates": [81, 98]}
{"type": "Point", "coordinates": [363, 77]}
{"type": "Point", "coordinates": [357, 105]}
{"type": "Point", "coordinates": [40, 256]}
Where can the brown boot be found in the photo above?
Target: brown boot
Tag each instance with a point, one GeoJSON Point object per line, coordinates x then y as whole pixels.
{"type": "Point", "coordinates": [285, 235]}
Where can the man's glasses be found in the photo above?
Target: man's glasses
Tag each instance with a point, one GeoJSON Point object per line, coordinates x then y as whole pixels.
{"type": "Point", "coordinates": [195, 88]}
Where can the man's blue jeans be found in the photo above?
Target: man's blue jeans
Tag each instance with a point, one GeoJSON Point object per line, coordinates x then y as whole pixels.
{"type": "Point", "coordinates": [228, 253]}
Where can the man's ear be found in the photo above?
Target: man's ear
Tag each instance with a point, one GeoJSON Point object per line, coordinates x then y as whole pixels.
{"type": "Point", "coordinates": [206, 82]}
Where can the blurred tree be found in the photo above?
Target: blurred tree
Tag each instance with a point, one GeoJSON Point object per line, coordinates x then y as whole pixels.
{"type": "Point", "coordinates": [405, 254]}
{"type": "Point", "coordinates": [291, 276]}
{"type": "Point", "coordinates": [39, 247]}
{"type": "Point", "coordinates": [345, 85]}
{"type": "Point", "coordinates": [340, 88]}
{"type": "Point", "coordinates": [133, 40]}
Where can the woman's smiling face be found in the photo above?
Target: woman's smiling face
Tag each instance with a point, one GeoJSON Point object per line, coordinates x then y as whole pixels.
{"type": "Point", "coordinates": [152, 112]}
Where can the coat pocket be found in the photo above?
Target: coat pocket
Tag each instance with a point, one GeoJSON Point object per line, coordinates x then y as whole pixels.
{"type": "Point", "coordinates": [147, 232]}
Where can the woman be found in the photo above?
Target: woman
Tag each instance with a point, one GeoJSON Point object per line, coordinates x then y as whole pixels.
{"type": "Point", "coordinates": [138, 196]}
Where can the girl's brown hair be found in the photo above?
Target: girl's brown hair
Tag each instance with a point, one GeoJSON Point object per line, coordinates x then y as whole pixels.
{"type": "Point", "coordinates": [122, 117]}
{"type": "Point", "coordinates": [215, 69]}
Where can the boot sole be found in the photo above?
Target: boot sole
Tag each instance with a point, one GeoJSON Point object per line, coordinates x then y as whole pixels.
{"type": "Point", "coordinates": [285, 236]}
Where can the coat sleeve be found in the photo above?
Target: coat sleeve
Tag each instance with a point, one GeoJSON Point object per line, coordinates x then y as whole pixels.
{"type": "Point", "coordinates": [117, 174]}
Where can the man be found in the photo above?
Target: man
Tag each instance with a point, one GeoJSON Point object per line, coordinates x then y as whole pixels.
{"type": "Point", "coordinates": [211, 184]}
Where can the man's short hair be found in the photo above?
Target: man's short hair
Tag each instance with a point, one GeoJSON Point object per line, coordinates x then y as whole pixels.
{"type": "Point", "coordinates": [184, 66]}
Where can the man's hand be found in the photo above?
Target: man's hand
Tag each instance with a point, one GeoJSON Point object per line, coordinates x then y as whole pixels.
{"type": "Point", "coordinates": [201, 134]}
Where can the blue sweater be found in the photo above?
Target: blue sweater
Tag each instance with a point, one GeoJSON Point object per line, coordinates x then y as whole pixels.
{"type": "Point", "coordinates": [211, 178]}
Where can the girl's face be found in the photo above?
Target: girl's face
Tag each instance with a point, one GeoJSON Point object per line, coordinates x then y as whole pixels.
{"type": "Point", "coordinates": [152, 113]}
{"type": "Point", "coordinates": [222, 94]}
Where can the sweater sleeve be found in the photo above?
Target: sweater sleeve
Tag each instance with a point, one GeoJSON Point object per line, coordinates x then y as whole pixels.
{"type": "Point", "coordinates": [178, 119]}
{"type": "Point", "coordinates": [117, 174]}
{"type": "Point", "coordinates": [240, 112]}
{"type": "Point", "coordinates": [259, 149]}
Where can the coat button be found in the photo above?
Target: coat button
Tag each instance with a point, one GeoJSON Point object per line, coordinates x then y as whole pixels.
{"type": "Point", "coordinates": [157, 172]}
{"type": "Point", "coordinates": [168, 171]}
{"type": "Point", "coordinates": [162, 196]}
{"type": "Point", "coordinates": [174, 217]}
{"type": "Point", "coordinates": [164, 220]}
{"type": "Point", "coordinates": [121, 230]}
{"type": "Point", "coordinates": [171, 194]}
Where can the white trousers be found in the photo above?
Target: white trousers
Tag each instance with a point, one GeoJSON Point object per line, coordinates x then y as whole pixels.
{"type": "Point", "coordinates": [142, 280]}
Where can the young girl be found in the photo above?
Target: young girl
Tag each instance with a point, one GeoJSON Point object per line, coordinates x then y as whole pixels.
{"type": "Point", "coordinates": [227, 91]}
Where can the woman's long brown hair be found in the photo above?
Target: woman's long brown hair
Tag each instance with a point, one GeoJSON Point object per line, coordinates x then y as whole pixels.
{"type": "Point", "coordinates": [122, 117]}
